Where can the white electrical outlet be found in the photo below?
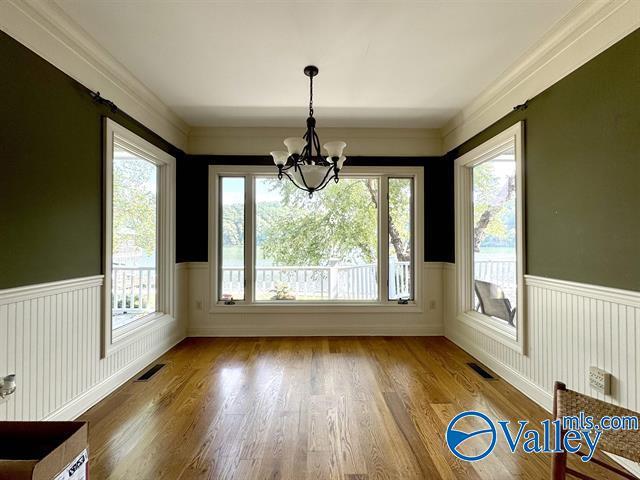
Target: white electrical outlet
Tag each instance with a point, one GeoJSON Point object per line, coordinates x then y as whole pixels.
{"type": "Point", "coordinates": [600, 380]}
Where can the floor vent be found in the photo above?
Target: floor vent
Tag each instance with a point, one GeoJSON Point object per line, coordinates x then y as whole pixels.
{"type": "Point", "coordinates": [150, 373]}
{"type": "Point", "coordinates": [481, 371]}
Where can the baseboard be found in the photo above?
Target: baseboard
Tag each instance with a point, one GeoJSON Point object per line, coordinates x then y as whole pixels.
{"type": "Point", "coordinates": [522, 383]}
{"type": "Point", "coordinates": [313, 331]}
{"type": "Point", "coordinates": [84, 402]}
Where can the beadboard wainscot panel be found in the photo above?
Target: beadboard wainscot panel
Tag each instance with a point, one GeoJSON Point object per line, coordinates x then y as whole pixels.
{"type": "Point", "coordinates": [570, 327]}
{"type": "Point", "coordinates": [50, 338]}
{"type": "Point", "coordinates": [316, 320]}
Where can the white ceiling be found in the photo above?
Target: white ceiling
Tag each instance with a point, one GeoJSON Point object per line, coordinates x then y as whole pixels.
{"type": "Point", "coordinates": [398, 63]}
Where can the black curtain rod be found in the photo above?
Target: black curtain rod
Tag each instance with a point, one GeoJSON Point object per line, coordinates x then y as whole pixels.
{"type": "Point", "coordinates": [103, 101]}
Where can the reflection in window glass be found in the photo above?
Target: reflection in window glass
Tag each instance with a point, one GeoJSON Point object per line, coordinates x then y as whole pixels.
{"type": "Point", "coordinates": [400, 242]}
{"type": "Point", "coordinates": [316, 249]}
{"type": "Point", "coordinates": [494, 237]}
{"type": "Point", "coordinates": [134, 238]}
{"type": "Point", "coordinates": [232, 231]}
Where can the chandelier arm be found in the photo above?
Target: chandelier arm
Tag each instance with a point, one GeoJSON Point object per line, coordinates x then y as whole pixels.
{"type": "Point", "coordinates": [328, 180]}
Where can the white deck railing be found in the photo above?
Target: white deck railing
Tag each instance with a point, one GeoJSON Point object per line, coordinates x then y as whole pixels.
{"type": "Point", "coordinates": [499, 272]}
{"type": "Point", "coordinates": [357, 282]}
{"type": "Point", "coordinates": [133, 289]}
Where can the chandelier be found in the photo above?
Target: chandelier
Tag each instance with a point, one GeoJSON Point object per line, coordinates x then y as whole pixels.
{"type": "Point", "coordinates": [307, 170]}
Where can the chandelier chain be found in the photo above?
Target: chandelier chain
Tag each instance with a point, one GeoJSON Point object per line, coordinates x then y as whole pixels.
{"type": "Point", "coordinates": [311, 96]}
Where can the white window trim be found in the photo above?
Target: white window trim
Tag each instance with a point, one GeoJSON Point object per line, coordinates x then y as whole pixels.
{"type": "Point", "coordinates": [117, 134]}
{"type": "Point", "coordinates": [249, 306]}
{"type": "Point", "coordinates": [465, 311]}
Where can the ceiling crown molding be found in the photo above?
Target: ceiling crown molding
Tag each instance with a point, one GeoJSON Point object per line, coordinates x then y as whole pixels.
{"type": "Point", "coordinates": [590, 28]}
{"type": "Point", "coordinates": [43, 27]}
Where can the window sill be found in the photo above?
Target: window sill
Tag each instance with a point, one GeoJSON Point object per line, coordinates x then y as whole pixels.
{"type": "Point", "coordinates": [495, 329]}
{"type": "Point", "coordinates": [314, 307]}
{"type": "Point", "coordinates": [127, 334]}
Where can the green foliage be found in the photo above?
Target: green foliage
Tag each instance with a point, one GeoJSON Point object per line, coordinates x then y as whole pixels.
{"type": "Point", "coordinates": [282, 291]}
{"type": "Point", "coordinates": [338, 222]}
{"type": "Point", "coordinates": [493, 207]}
{"type": "Point", "coordinates": [134, 204]}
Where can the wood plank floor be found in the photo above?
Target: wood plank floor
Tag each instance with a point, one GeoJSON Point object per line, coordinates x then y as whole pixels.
{"type": "Point", "coordinates": [306, 408]}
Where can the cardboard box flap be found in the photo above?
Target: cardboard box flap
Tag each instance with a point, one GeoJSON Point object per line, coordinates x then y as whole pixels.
{"type": "Point", "coordinates": [44, 448]}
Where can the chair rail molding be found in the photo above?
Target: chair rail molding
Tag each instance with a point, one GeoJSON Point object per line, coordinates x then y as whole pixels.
{"type": "Point", "coordinates": [44, 28]}
{"type": "Point", "coordinates": [589, 29]}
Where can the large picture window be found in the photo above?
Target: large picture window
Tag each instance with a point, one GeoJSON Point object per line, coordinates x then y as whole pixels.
{"type": "Point", "coordinates": [139, 255]}
{"type": "Point", "coordinates": [490, 237]}
{"type": "Point", "coordinates": [352, 243]}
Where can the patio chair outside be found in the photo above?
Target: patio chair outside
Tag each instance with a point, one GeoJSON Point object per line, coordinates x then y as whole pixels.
{"type": "Point", "coordinates": [493, 302]}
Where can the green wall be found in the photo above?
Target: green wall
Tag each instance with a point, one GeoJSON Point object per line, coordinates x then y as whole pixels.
{"type": "Point", "coordinates": [583, 171]}
{"type": "Point", "coordinates": [50, 171]}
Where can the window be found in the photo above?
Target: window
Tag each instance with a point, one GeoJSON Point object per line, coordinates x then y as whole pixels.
{"type": "Point", "coordinates": [138, 234]}
{"type": "Point", "coordinates": [490, 237]}
{"type": "Point", "coordinates": [272, 244]}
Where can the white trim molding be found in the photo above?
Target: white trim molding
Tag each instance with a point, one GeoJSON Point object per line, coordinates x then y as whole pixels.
{"type": "Point", "coordinates": [608, 294]}
{"type": "Point", "coordinates": [29, 292]}
{"type": "Point", "coordinates": [509, 139]}
{"type": "Point", "coordinates": [392, 142]}
{"type": "Point", "coordinates": [249, 304]}
{"type": "Point", "coordinates": [589, 29]}
{"type": "Point", "coordinates": [88, 399]}
{"type": "Point", "coordinates": [117, 135]}
{"type": "Point", "coordinates": [44, 28]}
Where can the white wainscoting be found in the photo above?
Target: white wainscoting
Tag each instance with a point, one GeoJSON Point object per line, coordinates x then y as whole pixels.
{"type": "Point", "coordinates": [570, 326]}
{"type": "Point", "coordinates": [50, 338]}
{"type": "Point", "coordinates": [363, 321]}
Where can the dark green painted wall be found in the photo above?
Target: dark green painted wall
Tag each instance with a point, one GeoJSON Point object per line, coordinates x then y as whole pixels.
{"type": "Point", "coordinates": [583, 171]}
{"type": "Point", "coordinates": [582, 161]}
{"type": "Point", "coordinates": [193, 201]}
{"type": "Point", "coordinates": [50, 171]}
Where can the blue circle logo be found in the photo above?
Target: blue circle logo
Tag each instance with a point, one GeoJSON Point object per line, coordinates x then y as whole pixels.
{"type": "Point", "coordinates": [456, 438]}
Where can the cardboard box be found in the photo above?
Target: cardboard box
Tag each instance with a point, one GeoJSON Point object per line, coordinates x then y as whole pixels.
{"type": "Point", "coordinates": [43, 451]}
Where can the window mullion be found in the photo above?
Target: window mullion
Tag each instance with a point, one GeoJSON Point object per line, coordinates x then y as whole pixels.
{"type": "Point", "coordinates": [383, 240]}
{"type": "Point", "coordinates": [249, 241]}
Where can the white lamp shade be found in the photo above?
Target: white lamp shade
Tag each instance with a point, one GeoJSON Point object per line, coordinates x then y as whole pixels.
{"type": "Point", "coordinates": [334, 149]}
{"type": "Point", "coordinates": [295, 145]}
{"type": "Point", "coordinates": [340, 162]}
{"type": "Point", "coordinates": [280, 157]}
{"type": "Point", "coordinates": [313, 175]}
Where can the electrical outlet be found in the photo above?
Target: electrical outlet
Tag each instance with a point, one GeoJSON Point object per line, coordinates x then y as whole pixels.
{"type": "Point", "coordinates": [600, 380]}
{"type": "Point", "coordinates": [432, 305]}
{"type": "Point", "coordinates": [198, 304]}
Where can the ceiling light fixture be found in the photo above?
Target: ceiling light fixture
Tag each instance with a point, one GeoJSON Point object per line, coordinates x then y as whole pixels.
{"type": "Point", "coordinates": [307, 171]}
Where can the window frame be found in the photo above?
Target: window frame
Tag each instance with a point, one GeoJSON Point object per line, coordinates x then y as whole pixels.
{"type": "Point", "coordinates": [463, 179]}
{"type": "Point", "coordinates": [249, 304]}
{"type": "Point", "coordinates": [116, 134]}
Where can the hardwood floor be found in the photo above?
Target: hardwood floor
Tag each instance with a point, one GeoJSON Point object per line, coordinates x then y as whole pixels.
{"type": "Point", "coordinates": [306, 408]}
